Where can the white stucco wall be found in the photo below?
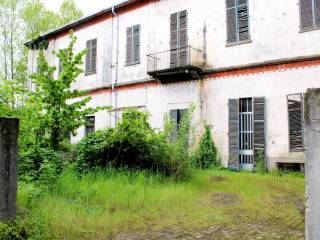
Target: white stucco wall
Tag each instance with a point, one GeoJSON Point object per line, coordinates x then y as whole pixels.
{"type": "Point", "coordinates": [274, 86]}
{"type": "Point", "coordinates": [274, 30]}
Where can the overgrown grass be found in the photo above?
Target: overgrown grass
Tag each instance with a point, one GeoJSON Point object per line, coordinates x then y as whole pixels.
{"type": "Point", "coordinates": [98, 205]}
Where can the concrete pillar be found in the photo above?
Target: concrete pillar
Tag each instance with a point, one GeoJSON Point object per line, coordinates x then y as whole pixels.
{"type": "Point", "coordinates": [312, 144]}
{"type": "Point", "coordinates": [9, 131]}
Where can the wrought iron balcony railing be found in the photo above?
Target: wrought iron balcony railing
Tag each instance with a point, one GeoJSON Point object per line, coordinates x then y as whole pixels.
{"type": "Point", "coordinates": [175, 58]}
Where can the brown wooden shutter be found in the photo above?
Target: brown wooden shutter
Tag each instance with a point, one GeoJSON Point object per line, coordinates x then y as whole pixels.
{"type": "Point", "coordinates": [93, 56]}
{"type": "Point", "coordinates": [129, 46]}
{"type": "Point", "coordinates": [136, 43]}
{"type": "Point", "coordinates": [295, 115]}
{"type": "Point", "coordinates": [306, 13]}
{"type": "Point", "coordinates": [233, 160]}
{"type": "Point", "coordinates": [259, 124]}
{"type": "Point", "coordinates": [231, 22]}
{"type": "Point", "coordinates": [174, 40]}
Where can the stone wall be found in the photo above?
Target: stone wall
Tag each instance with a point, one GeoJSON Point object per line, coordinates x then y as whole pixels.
{"type": "Point", "coordinates": [312, 143]}
{"type": "Point", "coordinates": [9, 131]}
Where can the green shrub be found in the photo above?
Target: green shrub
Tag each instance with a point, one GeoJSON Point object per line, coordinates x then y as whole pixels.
{"type": "Point", "coordinates": [260, 162]}
{"type": "Point", "coordinates": [132, 144]}
{"type": "Point", "coordinates": [207, 154]}
{"type": "Point", "coordinates": [39, 164]}
{"type": "Point", "coordinates": [23, 230]}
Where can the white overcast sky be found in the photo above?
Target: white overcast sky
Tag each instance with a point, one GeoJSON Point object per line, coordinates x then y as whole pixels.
{"type": "Point", "coordinates": [87, 6]}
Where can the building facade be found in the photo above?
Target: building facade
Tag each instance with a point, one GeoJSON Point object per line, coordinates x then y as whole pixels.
{"type": "Point", "coordinates": [243, 64]}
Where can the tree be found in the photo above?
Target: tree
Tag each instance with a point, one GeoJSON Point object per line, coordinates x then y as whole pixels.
{"type": "Point", "coordinates": [69, 12]}
{"type": "Point", "coordinates": [40, 20]}
{"type": "Point", "coordinates": [207, 154]}
{"type": "Point", "coordinates": [61, 109]}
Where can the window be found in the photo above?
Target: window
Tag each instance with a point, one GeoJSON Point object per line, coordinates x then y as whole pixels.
{"type": "Point", "coordinates": [91, 57]}
{"type": "Point", "coordinates": [237, 21]}
{"type": "Point", "coordinates": [309, 14]}
{"type": "Point", "coordinates": [295, 114]}
{"type": "Point", "coordinates": [178, 38]}
{"type": "Point", "coordinates": [176, 117]}
{"type": "Point", "coordinates": [90, 125]}
{"type": "Point", "coordinates": [133, 45]}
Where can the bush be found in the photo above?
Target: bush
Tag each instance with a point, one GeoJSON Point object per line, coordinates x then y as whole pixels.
{"type": "Point", "coordinates": [207, 154]}
{"type": "Point", "coordinates": [260, 162]}
{"type": "Point", "coordinates": [132, 144]}
{"type": "Point", "coordinates": [39, 164]}
{"type": "Point", "coordinates": [22, 230]}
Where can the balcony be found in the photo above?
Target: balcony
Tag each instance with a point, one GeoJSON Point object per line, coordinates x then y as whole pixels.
{"type": "Point", "coordinates": [175, 65]}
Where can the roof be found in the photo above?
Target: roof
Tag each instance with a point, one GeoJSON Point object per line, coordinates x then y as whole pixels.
{"type": "Point", "coordinates": [118, 9]}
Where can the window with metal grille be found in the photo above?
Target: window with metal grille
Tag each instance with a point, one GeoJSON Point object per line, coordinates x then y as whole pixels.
{"type": "Point", "coordinates": [237, 21]}
{"type": "Point", "coordinates": [309, 14]}
{"type": "Point", "coordinates": [90, 125]}
{"type": "Point", "coordinates": [295, 114]}
{"type": "Point", "coordinates": [133, 45]}
{"type": "Point", "coordinates": [91, 57]}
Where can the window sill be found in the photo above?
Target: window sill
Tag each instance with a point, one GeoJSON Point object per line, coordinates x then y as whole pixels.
{"type": "Point", "coordinates": [132, 64]}
{"type": "Point", "coordinates": [238, 43]}
{"type": "Point", "coordinates": [309, 29]}
{"type": "Point", "coordinates": [89, 74]}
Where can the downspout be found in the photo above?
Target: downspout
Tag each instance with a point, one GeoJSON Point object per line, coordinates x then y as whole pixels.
{"type": "Point", "coordinates": [117, 67]}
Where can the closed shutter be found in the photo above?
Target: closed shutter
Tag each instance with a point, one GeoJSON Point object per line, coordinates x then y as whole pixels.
{"type": "Point", "coordinates": [94, 56]}
{"type": "Point", "coordinates": [259, 124]}
{"type": "Point", "coordinates": [91, 57]}
{"type": "Point", "coordinates": [295, 115]}
{"type": "Point", "coordinates": [174, 40]}
{"type": "Point", "coordinates": [231, 25]}
{"type": "Point", "coordinates": [129, 46]}
{"type": "Point", "coordinates": [88, 58]}
{"type": "Point", "coordinates": [306, 13]}
{"type": "Point", "coordinates": [233, 161]}
{"type": "Point", "coordinates": [174, 119]}
{"type": "Point", "coordinates": [183, 38]}
{"type": "Point", "coordinates": [136, 43]}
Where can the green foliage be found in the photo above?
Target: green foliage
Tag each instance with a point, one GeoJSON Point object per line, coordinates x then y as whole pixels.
{"type": "Point", "coordinates": [23, 230]}
{"type": "Point", "coordinates": [40, 165]}
{"type": "Point", "coordinates": [39, 20]}
{"type": "Point", "coordinates": [59, 116]}
{"type": "Point", "coordinates": [260, 162]}
{"type": "Point", "coordinates": [134, 144]}
{"type": "Point", "coordinates": [107, 203]}
{"type": "Point", "coordinates": [207, 153]}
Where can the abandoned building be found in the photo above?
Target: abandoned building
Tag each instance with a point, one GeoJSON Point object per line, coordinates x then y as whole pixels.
{"type": "Point", "coordinates": [243, 64]}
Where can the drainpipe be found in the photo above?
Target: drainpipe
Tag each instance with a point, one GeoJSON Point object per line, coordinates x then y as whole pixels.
{"type": "Point", "coordinates": [116, 65]}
